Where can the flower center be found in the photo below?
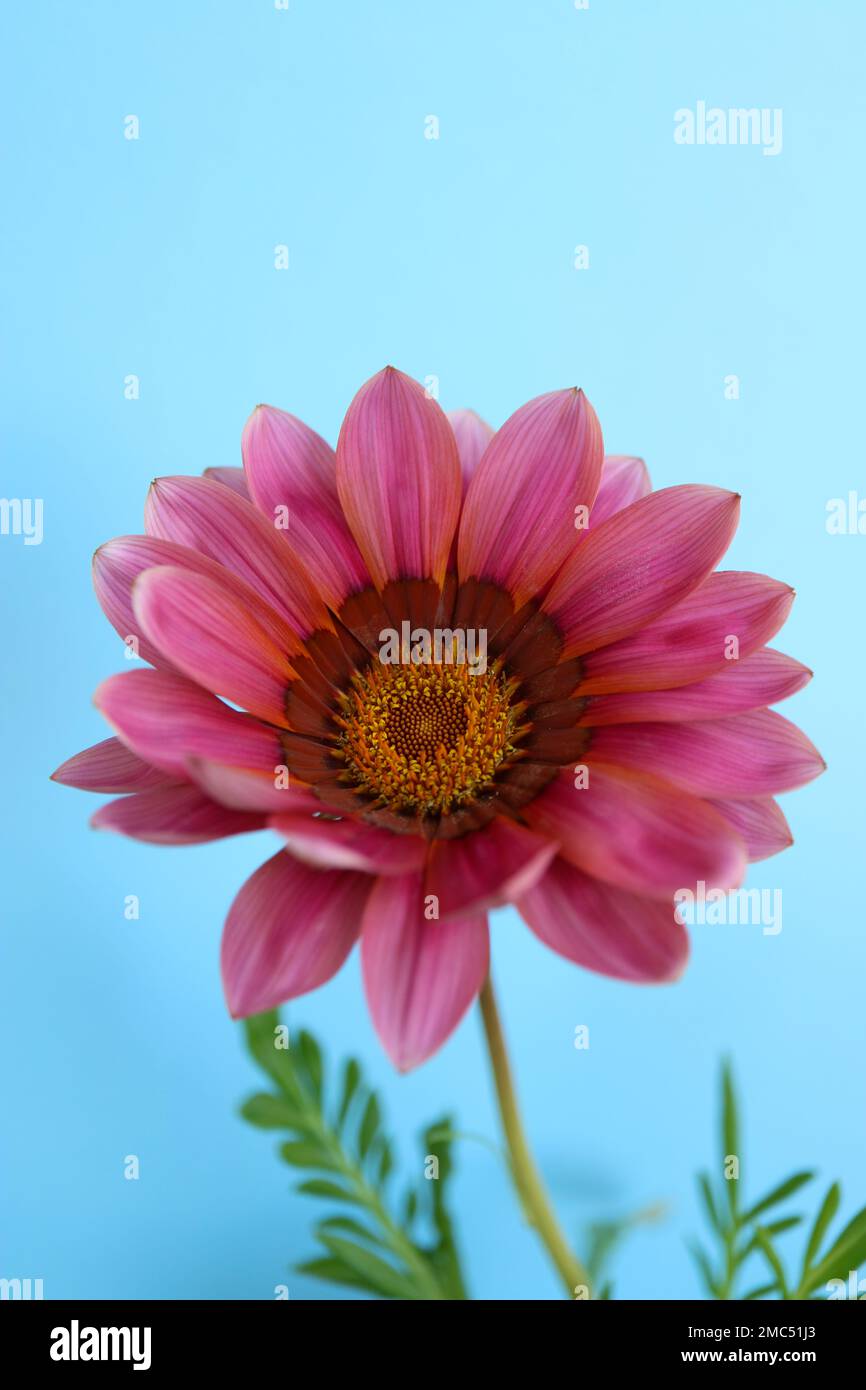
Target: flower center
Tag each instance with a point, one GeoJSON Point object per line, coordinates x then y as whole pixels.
{"type": "Point", "coordinates": [427, 738]}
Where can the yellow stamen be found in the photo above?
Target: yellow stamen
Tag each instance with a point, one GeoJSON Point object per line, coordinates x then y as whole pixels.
{"type": "Point", "coordinates": [427, 738]}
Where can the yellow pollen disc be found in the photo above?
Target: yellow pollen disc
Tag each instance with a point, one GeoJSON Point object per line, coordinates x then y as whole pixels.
{"type": "Point", "coordinates": [426, 738]}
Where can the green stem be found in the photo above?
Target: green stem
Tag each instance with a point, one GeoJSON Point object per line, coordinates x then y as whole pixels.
{"type": "Point", "coordinates": [527, 1179]}
{"type": "Point", "coordinates": [400, 1244]}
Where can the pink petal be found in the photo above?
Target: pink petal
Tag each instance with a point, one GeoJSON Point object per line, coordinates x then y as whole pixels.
{"type": "Point", "coordinates": [110, 766]}
{"type": "Point", "coordinates": [231, 477]}
{"type": "Point", "coordinates": [289, 466]}
{"type": "Point", "coordinates": [213, 638]}
{"type": "Point", "coordinates": [174, 815]}
{"type": "Point", "coordinates": [640, 562]}
{"type": "Point", "coordinates": [605, 929]}
{"type": "Point", "coordinates": [166, 720]}
{"type": "Point", "coordinates": [398, 478]}
{"type": "Point", "coordinates": [248, 790]}
{"type": "Point", "coordinates": [420, 976]}
{"type": "Point", "coordinates": [288, 931]}
{"type": "Point", "coordinates": [486, 868]}
{"type": "Point", "coordinates": [349, 844]}
{"type": "Point", "coordinates": [472, 435]}
{"type": "Point", "coordinates": [754, 754]}
{"type": "Point", "coordinates": [751, 683]}
{"type": "Point", "coordinates": [211, 518]}
{"type": "Point", "coordinates": [693, 639]}
{"type": "Point", "coordinates": [623, 480]}
{"type": "Point", "coordinates": [638, 833]}
{"type": "Point", "coordinates": [761, 823]}
{"type": "Point", "coordinates": [117, 565]}
{"type": "Point", "coordinates": [518, 520]}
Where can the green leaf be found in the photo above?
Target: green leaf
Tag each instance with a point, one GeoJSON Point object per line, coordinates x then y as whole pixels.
{"type": "Point", "coordinates": [369, 1124]}
{"type": "Point", "coordinates": [702, 1260]}
{"type": "Point", "coordinates": [352, 1227]}
{"type": "Point", "coordinates": [775, 1228]}
{"type": "Point", "coordinates": [778, 1194]}
{"type": "Point", "coordinates": [455, 1135]}
{"type": "Point", "coordinates": [773, 1260]}
{"type": "Point", "coordinates": [730, 1130]}
{"type": "Point", "coordinates": [321, 1187]}
{"type": "Point", "coordinates": [375, 1274]}
{"type": "Point", "coordinates": [305, 1155]}
{"type": "Point", "coordinates": [311, 1059]}
{"type": "Point", "coordinates": [361, 1167]}
{"type": "Point", "coordinates": [760, 1292]}
{"type": "Point", "coordinates": [443, 1255]}
{"type": "Point", "coordinates": [386, 1163]}
{"type": "Point", "coordinates": [849, 1252]}
{"type": "Point", "coordinates": [259, 1028]}
{"type": "Point", "coordinates": [351, 1078]}
{"type": "Point", "coordinates": [829, 1207]}
{"type": "Point", "coordinates": [267, 1111]}
{"type": "Point", "coordinates": [261, 1034]}
{"type": "Point", "coordinates": [706, 1192]}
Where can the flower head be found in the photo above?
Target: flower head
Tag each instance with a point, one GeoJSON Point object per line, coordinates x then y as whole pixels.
{"type": "Point", "coordinates": [462, 668]}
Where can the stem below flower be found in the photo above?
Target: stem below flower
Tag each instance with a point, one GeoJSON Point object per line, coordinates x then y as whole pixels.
{"type": "Point", "coordinates": [527, 1179]}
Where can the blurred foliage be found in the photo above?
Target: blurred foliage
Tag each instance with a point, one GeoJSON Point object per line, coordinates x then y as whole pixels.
{"type": "Point", "coordinates": [403, 1246]}
{"type": "Point", "coordinates": [745, 1232]}
{"type": "Point", "coordinates": [337, 1134]}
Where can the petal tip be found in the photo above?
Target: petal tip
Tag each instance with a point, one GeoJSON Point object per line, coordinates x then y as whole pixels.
{"type": "Point", "coordinates": [61, 777]}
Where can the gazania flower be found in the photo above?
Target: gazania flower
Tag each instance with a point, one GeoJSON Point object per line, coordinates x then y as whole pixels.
{"type": "Point", "coordinates": [614, 746]}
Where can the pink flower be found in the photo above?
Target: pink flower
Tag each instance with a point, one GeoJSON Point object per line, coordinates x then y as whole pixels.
{"type": "Point", "coordinates": [615, 747]}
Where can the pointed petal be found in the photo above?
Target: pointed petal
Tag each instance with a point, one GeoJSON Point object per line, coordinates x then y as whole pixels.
{"type": "Point", "coordinates": [472, 435]}
{"type": "Point", "coordinates": [761, 823]}
{"type": "Point", "coordinates": [694, 638]}
{"type": "Point", "coordinates": [754, 754]}
{"type": "Point", "coordinates": [289, 466]}
{"type": "Point", "coordinates": [623, 480]}
{"type": "Point", "coordinates": [518, 520]}
{"type": "Point", "coordinates": [486, 868]}
{"type": "Point", "coordinates": [174, 815]}
{"type": "Point", "coordinates": [230, 477]}
{"type": "Point", "coordinates": [166, 720]}
{"type": "Point", "coordinates": [605, 929]}
{"type": "Point", "coordinates": [110, 766]}
{"type": "Point", "coordinates": [213, 639]}
{"type": "Point", "coordinates": [288, 931]}
{"type": "Point", "coordinates": [420, 976]}
{"type": "Point", "coordinates": [752, 683]}
{"type": "Point", "coordinates": [248, 790]}
{"type": "Point", "coordinates": [640, 562]}
{"type": "Point", "coordinates": [637, 832]}
{"type": "Point", "coordinates": [349, 844]}
{"type": "Point", "coordinates": [211, 518]}
{"type": "Point", "coordinates": [118, 563]}
{"type": "Point", "coordinates": [398, 478]}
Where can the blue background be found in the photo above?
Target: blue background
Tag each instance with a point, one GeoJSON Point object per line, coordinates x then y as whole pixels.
{"type": "Point", "coordinates": [454, 258]}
